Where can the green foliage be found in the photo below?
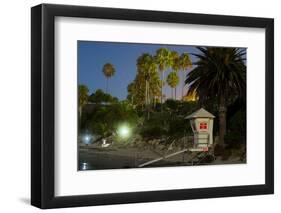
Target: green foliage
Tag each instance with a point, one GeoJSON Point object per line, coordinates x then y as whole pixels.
{"type": "Point", "coordinates": [178, 126]}
{"type": "Point", "coordinates": [105, 119]}
{"type": "Point", "coordinates": [145, 88]}
{"type": "Point", "coordinates": [108, 70]}
{"type": "Point", "coordinates": [163, 59]}
{"type": "Point", "coordinates": [173, 79]}
{"type": "Point", "coordinates": [180, 108]}
{"type": "Point", "coordinates": [146, 64]}
{"type": "Point", "coordinates": [156, 126]}
{"type": "Point", "coordinates": [185, 62]}
{"type": "Point", "coordinates": [100, 97]}
{"type": "Point", "coordinates": [83, 95]}
{"type": "Point", "coordinates": [171, 104]}
{"type": "Point", "coordinates": [220, 76]}
{"type": "Point", "coordinates": [147, 68]}
{"type": "Point", "coordinates": [176, 63]}
{"type": "Point", "coordinates": [170, 122]}
{"type": "Point", "coordinates": [219, 72]}
{"type": "Point", "coordinates": [132, 91]}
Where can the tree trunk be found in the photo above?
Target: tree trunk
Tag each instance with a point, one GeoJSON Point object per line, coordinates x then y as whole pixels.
{"type": "Point", "coordinates": [162, 80]}
{"type": "Point", "coordinates": [106, 89]}
{"type": "Point", "coordinates": [175, 93]}
{"type": "Point", "coordinates": [182, 85]}
{"type": "Point", "coordinates": [148, 93]}
{"type": "Point", "coordinates": [222, 119]}
{"type": "Point", "coordinates": [145, 92]}
{"type": "Point", "coordinates": [147, 100]}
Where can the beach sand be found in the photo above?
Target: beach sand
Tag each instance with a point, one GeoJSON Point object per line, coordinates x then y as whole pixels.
{"type": "Point", "coordinates": [96, 158]}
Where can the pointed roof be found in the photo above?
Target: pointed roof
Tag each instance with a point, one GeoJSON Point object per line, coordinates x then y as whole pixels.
{"type": "Point", "coordinates": [201, 113]}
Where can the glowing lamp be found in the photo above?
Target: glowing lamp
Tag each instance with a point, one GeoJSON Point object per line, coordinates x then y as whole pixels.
{"type": "Point", "coordinates": [124, 131]}
{"type": "Point", "coordinates": [87, 139]}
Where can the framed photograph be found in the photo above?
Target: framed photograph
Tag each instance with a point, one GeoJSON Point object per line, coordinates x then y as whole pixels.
{"type": "Point", "coordinates": [139, 106]}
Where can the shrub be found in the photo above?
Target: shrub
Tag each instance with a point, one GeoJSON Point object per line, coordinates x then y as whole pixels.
{"type": "Point", "coordinates": [152, 131]}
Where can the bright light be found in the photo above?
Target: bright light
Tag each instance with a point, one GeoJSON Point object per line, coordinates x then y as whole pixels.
{"type": "Point", "coordinates": [84, 166]}
{"type": "Point", "coordinates": [124, 131]}
{"type": "Point", "coordinates": [86, 139]}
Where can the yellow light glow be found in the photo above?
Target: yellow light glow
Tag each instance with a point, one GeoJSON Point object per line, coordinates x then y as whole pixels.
{"type": "Point", "coordinates": [124, 131]}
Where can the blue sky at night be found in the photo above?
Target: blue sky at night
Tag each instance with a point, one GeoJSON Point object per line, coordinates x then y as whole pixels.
{"type": "Point", "coordinates": [93, 55]}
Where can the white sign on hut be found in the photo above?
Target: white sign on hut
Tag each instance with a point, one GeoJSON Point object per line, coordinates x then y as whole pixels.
{"type": "Point", "coordinates": [201, 123]}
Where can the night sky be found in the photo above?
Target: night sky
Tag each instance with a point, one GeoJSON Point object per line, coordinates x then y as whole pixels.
{"type": "Point", "coordinates": [93, 55]}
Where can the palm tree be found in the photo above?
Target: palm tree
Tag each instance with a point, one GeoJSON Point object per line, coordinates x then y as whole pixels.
{"type": "Point", "coordinates": [175, 66]}
{"type": "Point", "coordinates": [147, 67]}
{"type": "Point", "coordinates": [83, 97]}
{"type": "Point", "coordinates": [108, 71]}
{"type": "Point", "coordinates": [185, 64]}
{"type": "Point", "coordinates": [173, 81]}
{"type": "Point", "coordinates": [137, 91]}
{"type": "Point", "coordinates": [163, 60]}
{"type": "Point", "coordinates": [155, 86]}
{"type": "Point", "coordinates": [220, 75]}
{"type": "Point", "coordinates": [131, 88]}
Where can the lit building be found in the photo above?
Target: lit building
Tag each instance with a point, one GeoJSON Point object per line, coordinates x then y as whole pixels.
{"type": "Point", "coordinates": [191, 97]}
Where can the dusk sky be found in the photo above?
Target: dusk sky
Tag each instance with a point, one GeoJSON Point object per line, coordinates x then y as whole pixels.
{"type": "Point", "coordinates": [93, 55]}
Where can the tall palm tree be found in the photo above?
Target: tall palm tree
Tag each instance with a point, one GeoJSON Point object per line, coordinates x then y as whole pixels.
{"type": "Point", "coordinates": [164, 61]}
{"type": "Point", "coordinates": [148, 68]}
{"type": "Point", "coordinates": [175, 66]}
{"type": "Point", "coordinates": [173, 81]}
{"type": "Point", "coordinates": [220, 75]}
{"type": "Point", "coordinates": [154, 85]}
{"type": "Point", "coordinates": [108, 71]}
{"type": "Point", "coordinates": [185, 64]}
{"type": "Point", "coordinates": [138, 92]}
{"type": "Point", "coordinates": [83, 95]}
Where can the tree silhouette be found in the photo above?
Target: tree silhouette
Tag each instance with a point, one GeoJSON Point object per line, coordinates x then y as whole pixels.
{"type": "Point", "coordinates": [108, 71]}
{"type": "Point", "coordinates": [220, 75]}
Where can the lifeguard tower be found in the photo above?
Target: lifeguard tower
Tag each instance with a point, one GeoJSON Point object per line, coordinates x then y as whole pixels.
{"type": "Point", "coordinates": [201, 122]}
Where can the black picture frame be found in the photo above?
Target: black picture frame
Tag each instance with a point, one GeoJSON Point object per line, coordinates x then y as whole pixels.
{"type": "Point", "coordinates": [43, 102]}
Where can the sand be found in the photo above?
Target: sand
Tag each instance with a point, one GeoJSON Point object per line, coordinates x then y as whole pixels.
{"type": "Point", "coordinates": [96, 158]}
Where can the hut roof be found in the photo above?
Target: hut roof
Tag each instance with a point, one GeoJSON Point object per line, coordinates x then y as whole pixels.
{"type": "Point", "coordinates": [201, 113]}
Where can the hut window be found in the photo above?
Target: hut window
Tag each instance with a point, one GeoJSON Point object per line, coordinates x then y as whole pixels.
{"type": "Point", "coordinates": [203, 125]}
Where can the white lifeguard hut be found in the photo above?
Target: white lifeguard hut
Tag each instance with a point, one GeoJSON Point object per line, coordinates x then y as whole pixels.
{"type": "Point", "coordinates": [201, 122]}
{"type": "Point", "coordinates": [202, 126]}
